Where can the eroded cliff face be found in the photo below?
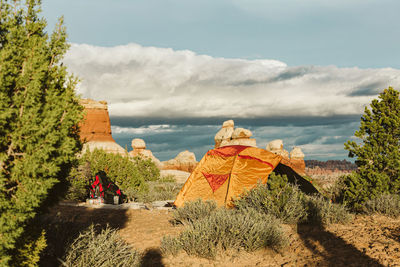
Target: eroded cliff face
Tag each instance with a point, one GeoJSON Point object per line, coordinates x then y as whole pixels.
{"type": "Point", "coordinates": [95, 128]}
{"type": "Point", "coordinates": [96, 125]}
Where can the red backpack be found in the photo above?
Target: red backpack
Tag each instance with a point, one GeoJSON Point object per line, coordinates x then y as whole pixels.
{"type": "Point", "coordinates": [103, 187]}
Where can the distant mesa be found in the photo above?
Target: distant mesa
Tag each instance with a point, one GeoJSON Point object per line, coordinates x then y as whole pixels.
{"type": "Point", "coordinates": [95, 128]}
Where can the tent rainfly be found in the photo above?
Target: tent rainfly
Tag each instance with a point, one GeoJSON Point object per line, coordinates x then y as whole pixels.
{"type": "Point", "coordinates": [224, 173]}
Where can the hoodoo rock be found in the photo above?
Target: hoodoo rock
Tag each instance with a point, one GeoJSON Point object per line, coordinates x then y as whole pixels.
{"type": "Point", "coordinates": [184, 161]}
{"type": "Point", "coordinates": [228, 135]}
{"type": "Point", "coordinates": [95, 128]}
{"type": "Point", "coordinates": [296, 159]}
{"type": "Point", "coordinates": [225, 133]}
{"type": "Point", "coordinates": [139, 150]}
{"type": "Point", "coordinates": [276, 146]}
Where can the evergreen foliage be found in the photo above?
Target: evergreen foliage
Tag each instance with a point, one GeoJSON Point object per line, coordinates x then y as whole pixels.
{"type": "Point", "coordinates": [378, 154]}
{"type": "Point", "coordinates": [39, 114]}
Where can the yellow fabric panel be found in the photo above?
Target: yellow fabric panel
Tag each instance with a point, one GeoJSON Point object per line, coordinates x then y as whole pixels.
{"type": "Point", "coordinates": [197, 185]}
{"type": "Point", "coordinates": [250, 169]}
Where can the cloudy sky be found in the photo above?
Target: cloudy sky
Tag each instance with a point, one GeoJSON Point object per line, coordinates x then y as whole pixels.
{"type": "Point", "coordinates": [173, 70]}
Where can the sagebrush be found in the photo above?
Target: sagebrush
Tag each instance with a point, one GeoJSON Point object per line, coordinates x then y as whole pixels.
{"type": "Point", "coordinates": [227, 229]}
{"type": "Point", "coordinates": [278, 198]}
{"type": "Point", "coordinates": [386, 204]}
{"type": "Point", "coordinates": [194, 210]}
{"type": "Point", "coordinates": [100, 249]}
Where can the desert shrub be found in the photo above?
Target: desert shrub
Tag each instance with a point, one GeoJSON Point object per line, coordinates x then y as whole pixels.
{"type": "Point", "coordinates": [323, 212]}
{"type": "Point", "coordinates": [159, 190]}
{"type": "Point", "coordinates": [385, 204]}
{"type": "Point", "coordinates": [277, 197]}
{"type": "Point", "coordinates": [104, 249]}
{"type": "Point", "coordinates": [224, 229]}
{"type": "Point", "coordinates": [194, 210]}
{"type": "Point", "coordinates": [129, 174]}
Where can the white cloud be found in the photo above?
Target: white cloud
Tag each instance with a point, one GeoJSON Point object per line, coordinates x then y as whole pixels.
{"type": "Point", "coordinates": [160, 82]}
{"type": "Point", "coordinates": [155, 129]}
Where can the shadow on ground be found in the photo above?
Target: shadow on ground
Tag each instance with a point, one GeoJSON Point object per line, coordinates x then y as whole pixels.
{"type": "Point", "coordinates": [64, 223]}
{"type": "Point", "coordinates": [333, 250]}
{"type": "Point", "coordinates": [152, 257]}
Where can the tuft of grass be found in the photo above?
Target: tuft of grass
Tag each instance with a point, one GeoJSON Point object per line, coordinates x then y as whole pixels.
{"type": "Point", "coordinates": [386, 204]}
{"type": "Point", "coordinates": [224, 229]}
{"type": "Point", "coordinates": [323, 212]}
{"type": "Point", "coordinates": [193, 211]}
{"type": "Point", "coordinates": [106, 249]}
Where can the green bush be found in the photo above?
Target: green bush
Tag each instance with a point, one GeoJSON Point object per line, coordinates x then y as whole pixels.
{"type": "Point", "coordinates": [129, 174]}
{"type": "Point", "coordinates": [100, 249]}
{"type": "Point", "coordinates": [278, 198]}
{"type": "Point", "coordinates": [385, 204]}
{"type": "Point", "coordinates": [193, 211]}
{"type": "Point", "coordinates": [224, 229]}
{"type": "Point", "coordinates": [323, 212]}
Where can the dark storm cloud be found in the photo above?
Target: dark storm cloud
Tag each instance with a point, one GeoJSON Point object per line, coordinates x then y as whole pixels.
{"type": "Point", "coordinates": [265, 121]}
{"type": "Point", "coordinates": [369, 89]}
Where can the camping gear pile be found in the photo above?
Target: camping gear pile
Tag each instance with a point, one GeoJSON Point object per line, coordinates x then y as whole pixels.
{"type": "Point", "coordinates": [104, 191]}
{"type": "Point", "coordinates": [226, 172]}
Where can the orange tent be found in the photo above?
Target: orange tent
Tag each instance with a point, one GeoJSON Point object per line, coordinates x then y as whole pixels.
{"type": "Point", "coordinates": [225, 172]}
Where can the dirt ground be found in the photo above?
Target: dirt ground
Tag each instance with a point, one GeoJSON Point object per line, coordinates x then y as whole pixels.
{"type": "Point", "coordinates": [366, 241]}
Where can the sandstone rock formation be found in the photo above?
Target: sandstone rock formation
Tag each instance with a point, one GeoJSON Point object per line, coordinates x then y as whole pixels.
{"type": "Point", "coordinates": [276, 146]}
{"type": "Point", "coordinates": [296, 159]}
{"type": "Point", "coordinates": [95, 128]}
{"type": "Point", "coordinates": [228, 135]}
{"type": "Point", "coordinates": [139, 149]}
{"type": "Point", "coordinates": [184, 161]}
{"type": "Point", "coordinates": [225, 133]}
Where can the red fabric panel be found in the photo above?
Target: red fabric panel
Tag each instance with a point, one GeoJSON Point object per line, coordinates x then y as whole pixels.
{"type": "Point", "coordinates": [249, 157]}
{"type": "Point", "coordinates": [215, 180]}
{"type": "Point", "coordinates": [227, 151]}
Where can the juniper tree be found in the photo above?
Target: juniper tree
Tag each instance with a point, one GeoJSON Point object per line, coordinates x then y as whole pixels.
{"type": "Point", "coordinates": [39, 114]}
{"type": "Point", "coordinates": [378, 153]}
